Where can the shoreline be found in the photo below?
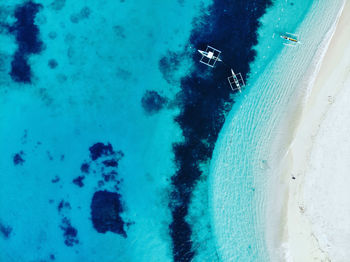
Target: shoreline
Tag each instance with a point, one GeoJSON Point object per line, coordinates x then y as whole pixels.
{"type": "Point", "coordinates": [299, 240]}
{"type": "Point", "coordinates": [243, 166]}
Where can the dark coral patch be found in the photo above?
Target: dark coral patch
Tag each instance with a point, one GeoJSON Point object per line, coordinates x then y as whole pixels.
{"type": "Point", "coordinates": [110, 163]}
{"type": "Point", "coordinates": [25, 30]}
{"type": "Point", "coordinates": [85, 168]}
{"type": "Point", "coordinates": [152, 102]}
{"type": "Point", "coordinates": [106, 208]}
{"type": "Point", "coordinates": [99, 149]}
{"type": "Point", "coordinates": [5, 230]}
{"type": "Point", "coordinates": [63, 205]}
{"type": "Point", "coordinates": [20, 69]}
{"type": "Point", "coordinates": [168, 65]}
{"type": "Point", "coordinates": [69, 233]}
{"type": "Point", "coordinates": [18, 158]}
{"type": "Point", "coordinates": [52, 63]}
{"type": "Point", "coordinates": [79, 181]}
{"type": "Point", "coordinates": [26, 33]}
{"type": "Point", "coordinates": [111, 176]}
{"type": "Point", "coordinates": [56, 179]}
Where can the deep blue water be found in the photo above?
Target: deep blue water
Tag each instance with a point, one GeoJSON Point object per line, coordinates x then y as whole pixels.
{"type": "Point", "coordinates": [88, 149]}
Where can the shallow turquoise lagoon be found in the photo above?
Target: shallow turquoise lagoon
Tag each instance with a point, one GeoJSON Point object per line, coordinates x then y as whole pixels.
{"type": "Point", "coordinates": [98, 61]}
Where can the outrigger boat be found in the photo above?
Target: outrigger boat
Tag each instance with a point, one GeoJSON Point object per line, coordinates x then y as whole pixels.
{"type": "Point", "coordinates": [210, 56]}
{"type": "Point", "coordinates": [236, 81]}
{"type": "Point", "coordinates": [291, 39]}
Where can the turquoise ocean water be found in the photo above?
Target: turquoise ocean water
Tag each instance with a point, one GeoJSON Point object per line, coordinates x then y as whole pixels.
{"type": "Point", "coordinates": [87, 132]}
{"type": "Point", "coordinates": [106, 61]}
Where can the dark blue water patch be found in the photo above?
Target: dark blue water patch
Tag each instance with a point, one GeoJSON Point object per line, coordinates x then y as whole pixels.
{"type": "Point", "coordinates": [27, 38]}
{"type": "Point", "coordinates": [79, 181]}
{"type": "Point", "coordinates": [20, 69]}
{"type": "Point", "coordinates": [111, 176]}
{"type": "Point", "coordinates": [110, 163]}
{"type": "Point", "coordinates": [205, 99]}
{"type": "Point", "coordinates": [18, 158]}
{"type": "Point", "coordinates": [52, 63]}
{"type": "Point", "coordinates": [5, 230]}
{"type": "Point", "coordinates": [85, 168]}
{"type": "Point", "coordinates": [70, 233]}
{"type": "Point", "coordinates": [152, 102]}
{"type": "Point", "coordinates": [63, 205]}
{"type": "Point", "coordinates": [99, 149]}
{"type": "Point", "coordinates": [55, 180]}
{"type": "Point", "coordinates": [52, 257]}
{"type": "Point", "coordinates": [168, 65]}
{"type": "Point", "coordinates": [106, 209]}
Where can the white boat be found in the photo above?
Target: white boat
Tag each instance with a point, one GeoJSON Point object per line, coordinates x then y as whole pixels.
{"type": "Point", "coordinates": [210, 56]}
{"type": "Point", "coordinates": [236, 81]}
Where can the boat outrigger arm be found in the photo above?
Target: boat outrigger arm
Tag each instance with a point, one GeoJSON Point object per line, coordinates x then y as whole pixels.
{"type": "Point", "coordinates": [210, 56]}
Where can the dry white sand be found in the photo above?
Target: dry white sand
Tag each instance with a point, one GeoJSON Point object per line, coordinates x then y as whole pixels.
{"type": "Point", "coordinates": [317, 216]}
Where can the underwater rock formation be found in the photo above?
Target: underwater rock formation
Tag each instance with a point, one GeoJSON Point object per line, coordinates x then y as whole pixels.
{"type": "Point", "coordinates": [106, 208]}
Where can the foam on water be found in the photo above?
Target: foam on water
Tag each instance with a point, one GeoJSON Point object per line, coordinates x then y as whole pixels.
{"type": "Point", "coordinates": [244, 216]}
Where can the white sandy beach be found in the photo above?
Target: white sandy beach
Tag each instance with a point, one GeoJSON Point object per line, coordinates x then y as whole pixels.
{"type": "Point", "coordinates": [316, 225]}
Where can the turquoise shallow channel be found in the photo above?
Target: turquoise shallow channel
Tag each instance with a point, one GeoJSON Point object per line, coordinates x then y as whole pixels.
{"type": "Point", "coordinates": [108, 124]}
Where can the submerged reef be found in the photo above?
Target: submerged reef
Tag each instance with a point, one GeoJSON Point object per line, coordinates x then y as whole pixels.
{"type": "Point", "coordinates": [168, 64]}
{"type": "Point", "coordinates": [63, 205]}
{"type": "Point", "coordinates": [69, 233]}
{"type": "Point", "coordinates": [85, 168]}
{"type": "Point", "coordinates": [27, 37]}
{"type": "Point", "coordinates": [99, 149]}
{"type": "Point", "coordinates": [106, 208]}
{"type": "Point", "coordinates": [152, 102]}
{"type": "Point", "coordinates": [204, 101]}
{"type": "Point", "coordinates": [18, 158]}
{"type": "Point", "coordinates": [5, 230]}
{"type": "Point", "coordinates": [79, 181]}
{"type": "Point", "coordinates": [52, 63]}
{"type": "Point", "coordinates": [106, 203]}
